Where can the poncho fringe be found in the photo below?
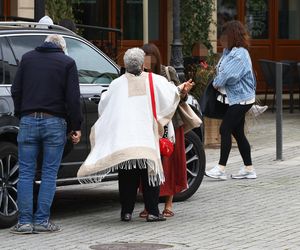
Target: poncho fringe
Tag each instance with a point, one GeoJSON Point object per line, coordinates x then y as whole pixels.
{"type": "Point", "coordinates": [154, 180]}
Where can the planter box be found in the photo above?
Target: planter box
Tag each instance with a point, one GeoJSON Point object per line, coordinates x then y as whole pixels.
{"type": "Point", "coordinates": [212, 137]}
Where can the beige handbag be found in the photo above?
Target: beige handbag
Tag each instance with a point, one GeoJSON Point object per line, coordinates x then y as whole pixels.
{"type": "Point", "coordinates": [189, 118]}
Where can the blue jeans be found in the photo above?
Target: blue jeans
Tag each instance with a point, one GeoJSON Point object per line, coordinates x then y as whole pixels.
{"type": "Point", "coordinates": [48, 134]}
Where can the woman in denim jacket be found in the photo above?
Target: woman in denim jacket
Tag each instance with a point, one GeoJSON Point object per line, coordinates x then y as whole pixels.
{"type": "Point", "coordinates": [235, 78]}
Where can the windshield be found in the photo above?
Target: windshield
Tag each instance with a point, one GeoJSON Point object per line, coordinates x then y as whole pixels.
{"type": "Point", "coordinates": [93, 68]}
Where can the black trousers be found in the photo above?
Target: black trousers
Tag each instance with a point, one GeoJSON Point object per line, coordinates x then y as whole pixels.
{"type": "Point", "coordinates": [129, 182]}
{"type": "Point", "coordinates": [233, 124]}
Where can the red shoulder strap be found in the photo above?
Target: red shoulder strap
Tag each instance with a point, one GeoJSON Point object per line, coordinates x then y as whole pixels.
{"type": "Point", "coordinates": [152, 95]}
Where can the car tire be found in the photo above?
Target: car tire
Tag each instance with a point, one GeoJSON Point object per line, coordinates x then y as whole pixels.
{"type": "Point", "coordinates": [196, 161]}
{"type": "Point", "coordinates": [9, 169]}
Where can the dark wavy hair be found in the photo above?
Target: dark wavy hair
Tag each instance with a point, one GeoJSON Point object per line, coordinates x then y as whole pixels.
{"type": "Point", "coordinates": [152, 50]}
{"type": "Point", "coordinates": [237, 35]}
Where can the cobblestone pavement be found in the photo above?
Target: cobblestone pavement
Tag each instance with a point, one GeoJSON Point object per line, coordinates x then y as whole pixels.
{"type": "Point", "coordinates": [233, 214]}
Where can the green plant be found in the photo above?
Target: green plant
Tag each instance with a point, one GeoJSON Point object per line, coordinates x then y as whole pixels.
{"type": "Point", "coordinates": [59, 9]}
{"type": "Point", "coordinates": [195, 20]}
{"type": "Point", "coordinates": [202, 73]}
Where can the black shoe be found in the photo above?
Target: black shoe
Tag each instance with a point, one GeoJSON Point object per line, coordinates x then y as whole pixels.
{"type": "Point", "coordinates": [126, 217]}
{"type": "Point", "coordinates": [153, 218]}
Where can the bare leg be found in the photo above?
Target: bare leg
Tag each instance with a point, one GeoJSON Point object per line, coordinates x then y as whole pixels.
{"type": "Point", "coordinates": [169, 202]}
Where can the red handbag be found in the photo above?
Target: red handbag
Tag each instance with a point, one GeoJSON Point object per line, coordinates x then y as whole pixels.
{"type": "Point", "coordinates": [165, 145]}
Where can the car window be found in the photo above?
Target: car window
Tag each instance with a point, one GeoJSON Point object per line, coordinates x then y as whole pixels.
{"type": "Point", "coordinates": [8, 64]}
{"type": "Point", "coordinates": [23, 44]}
{"type": "Point", "coordinates": [1, 64]}
{"type": "Point", "coordinates": [93, 68]}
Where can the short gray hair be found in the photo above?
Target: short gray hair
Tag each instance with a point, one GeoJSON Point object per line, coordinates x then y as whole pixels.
{"type": "Point", "coordinates": [133, 60]}
{"type": "Point", "coordinates": [57, 40]}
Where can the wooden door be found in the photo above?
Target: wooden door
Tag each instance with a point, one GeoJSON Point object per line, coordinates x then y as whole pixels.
{"type": "Point", "coordinates": [274, 26]}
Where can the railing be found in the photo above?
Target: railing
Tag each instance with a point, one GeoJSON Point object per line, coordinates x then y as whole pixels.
{"type": "Point", "coordinates": [16, 18]}
{"type": "Point", "coordinates": [107, 39]}
{"type": "Point", "coordinates": [110, 39]}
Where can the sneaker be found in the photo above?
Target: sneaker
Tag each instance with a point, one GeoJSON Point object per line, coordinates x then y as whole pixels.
{"type": "Point", "coordinates": [257, 110]}
{"type": "Point", "coordinates": [154, 218]}
{"type": "Point", "coordinates": [47, 227]}
{"type": "Point", "coordinates": [244, 174]}
{"type": "Point", "coordinates": [216, 173]}
{"type": "Point", "coordinates": [22, 229]}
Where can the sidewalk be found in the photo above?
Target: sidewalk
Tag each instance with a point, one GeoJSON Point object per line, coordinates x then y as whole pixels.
{"type": "Point", "coordinates": [233, 214]}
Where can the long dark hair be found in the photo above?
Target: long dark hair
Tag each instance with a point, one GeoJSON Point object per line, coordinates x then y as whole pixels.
{"type": "Point", "coordinates": [237, 35]}
{"type": "Point", "coordinates": [151, 49]}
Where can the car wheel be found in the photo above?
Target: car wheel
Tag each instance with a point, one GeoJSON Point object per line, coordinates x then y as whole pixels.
{"type": "Point", "coordinates": [195, 161]}
{"type": "Point", "coordinates": [9, 169]}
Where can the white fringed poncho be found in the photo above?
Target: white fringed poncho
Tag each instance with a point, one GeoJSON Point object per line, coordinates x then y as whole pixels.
{"type": "Point", "coordinates": [126, 134]}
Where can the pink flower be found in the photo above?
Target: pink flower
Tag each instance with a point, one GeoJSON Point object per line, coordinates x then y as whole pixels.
{"type": "Point", "coordinates": [204, 64]}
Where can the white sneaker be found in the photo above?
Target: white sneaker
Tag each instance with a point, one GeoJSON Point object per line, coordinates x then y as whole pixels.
{"type": "Point", "coordinates": [244, 174]}
{"type": "Point", "coordinates": [257, 110]}
{"type": "Point", "coordinates": [216, 173]}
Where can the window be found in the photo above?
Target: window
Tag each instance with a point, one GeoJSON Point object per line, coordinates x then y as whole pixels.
{"type": "Point", "coordinates": [289, 19]}
{"type": "Point", "coordinates": [92, 12]}
{"type": "Point", "coordinates": [153, 19]}
{"type": "Point", "coordinates": [226, 11]}
{"type": "Point", "coordinates": [257, 22]}
{"type": "Point", "coordinates": [23, 44]}
{"type": "Point", "coordinates": [92, 67]}
{"type": "Point", "coordinates": [1, 63]}
{"type": "Point", "coordinates": [8, 64]}
{"type": "Point", "coordinates": [133, 19]}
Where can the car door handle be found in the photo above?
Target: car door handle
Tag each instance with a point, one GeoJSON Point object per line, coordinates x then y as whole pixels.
{"type": "Point", "coordinates": [95, 99]}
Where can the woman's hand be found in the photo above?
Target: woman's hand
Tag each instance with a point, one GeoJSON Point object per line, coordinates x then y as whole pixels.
{"type": "Point", "coordinates": [186, 87]}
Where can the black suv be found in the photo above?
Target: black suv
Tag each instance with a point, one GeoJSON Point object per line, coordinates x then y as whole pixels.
{"type": "Point", "coordinates": [96, 71]}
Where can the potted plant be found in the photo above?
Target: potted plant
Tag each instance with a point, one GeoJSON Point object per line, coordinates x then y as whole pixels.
{"type": "Point", "coordinates": [202, 72]}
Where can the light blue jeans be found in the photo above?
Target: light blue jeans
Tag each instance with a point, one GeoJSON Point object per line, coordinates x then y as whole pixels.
{"type": "Point", "coordinates": [48, 134]}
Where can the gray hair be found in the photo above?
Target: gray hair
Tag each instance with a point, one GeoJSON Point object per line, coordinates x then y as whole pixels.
{"type": "Point", "coordinates": [134, 60]}
{"type": "Point", "coordinates": [57, 40]}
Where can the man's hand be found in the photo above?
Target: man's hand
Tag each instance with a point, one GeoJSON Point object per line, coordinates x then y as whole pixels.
{"type": "Point", "coordinates": [75, 136]}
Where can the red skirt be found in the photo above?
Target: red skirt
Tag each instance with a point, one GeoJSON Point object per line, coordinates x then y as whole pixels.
{"type": "Point", "coordinates": [175, 167]}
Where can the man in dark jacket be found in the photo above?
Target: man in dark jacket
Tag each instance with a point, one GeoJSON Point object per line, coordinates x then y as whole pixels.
{"type": "Point", "coordinates": [45, 92]}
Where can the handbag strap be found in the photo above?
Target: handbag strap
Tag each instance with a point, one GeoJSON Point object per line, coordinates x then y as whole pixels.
{"type": "Point", "coordinates": [152, 95]}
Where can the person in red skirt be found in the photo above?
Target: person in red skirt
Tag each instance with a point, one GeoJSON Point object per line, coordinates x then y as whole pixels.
{"type": "Point", "coordinates": [175, 166]}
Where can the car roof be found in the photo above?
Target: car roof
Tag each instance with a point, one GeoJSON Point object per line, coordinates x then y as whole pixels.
{"type": "Point", "coordinates": [21, 27]}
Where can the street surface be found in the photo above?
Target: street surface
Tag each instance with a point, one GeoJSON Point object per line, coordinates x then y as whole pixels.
{"type": "Point", "coordinates": [233, 214]}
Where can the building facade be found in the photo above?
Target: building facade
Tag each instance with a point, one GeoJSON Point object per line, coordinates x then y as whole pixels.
{"type": "Point", "coordinates": [274, 25]}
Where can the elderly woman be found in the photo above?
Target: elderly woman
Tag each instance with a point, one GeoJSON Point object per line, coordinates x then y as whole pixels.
{"type": "Point", "coordinates": [126, 135]}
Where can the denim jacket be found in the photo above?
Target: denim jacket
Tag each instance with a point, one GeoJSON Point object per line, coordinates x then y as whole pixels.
{"type": "Point", "coordinates": [235, 75]}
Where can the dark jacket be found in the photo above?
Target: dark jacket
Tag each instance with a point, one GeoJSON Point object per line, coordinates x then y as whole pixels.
{"type": "Point", "coordinates": [47, 81]}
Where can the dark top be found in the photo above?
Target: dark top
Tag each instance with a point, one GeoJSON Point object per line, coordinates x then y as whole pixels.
{"type": "Point", "coordinates": [47, 81]}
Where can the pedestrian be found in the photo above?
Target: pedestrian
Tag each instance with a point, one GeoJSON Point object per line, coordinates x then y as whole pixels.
{"type": "Point", "coordinates": [45, 92]}
{"type": "Point", "coordinates": [175, 166]}
{"type": "Point", "coordinates": [126, 135]}
{"type": "Point", "coordinates": [235, 78]}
